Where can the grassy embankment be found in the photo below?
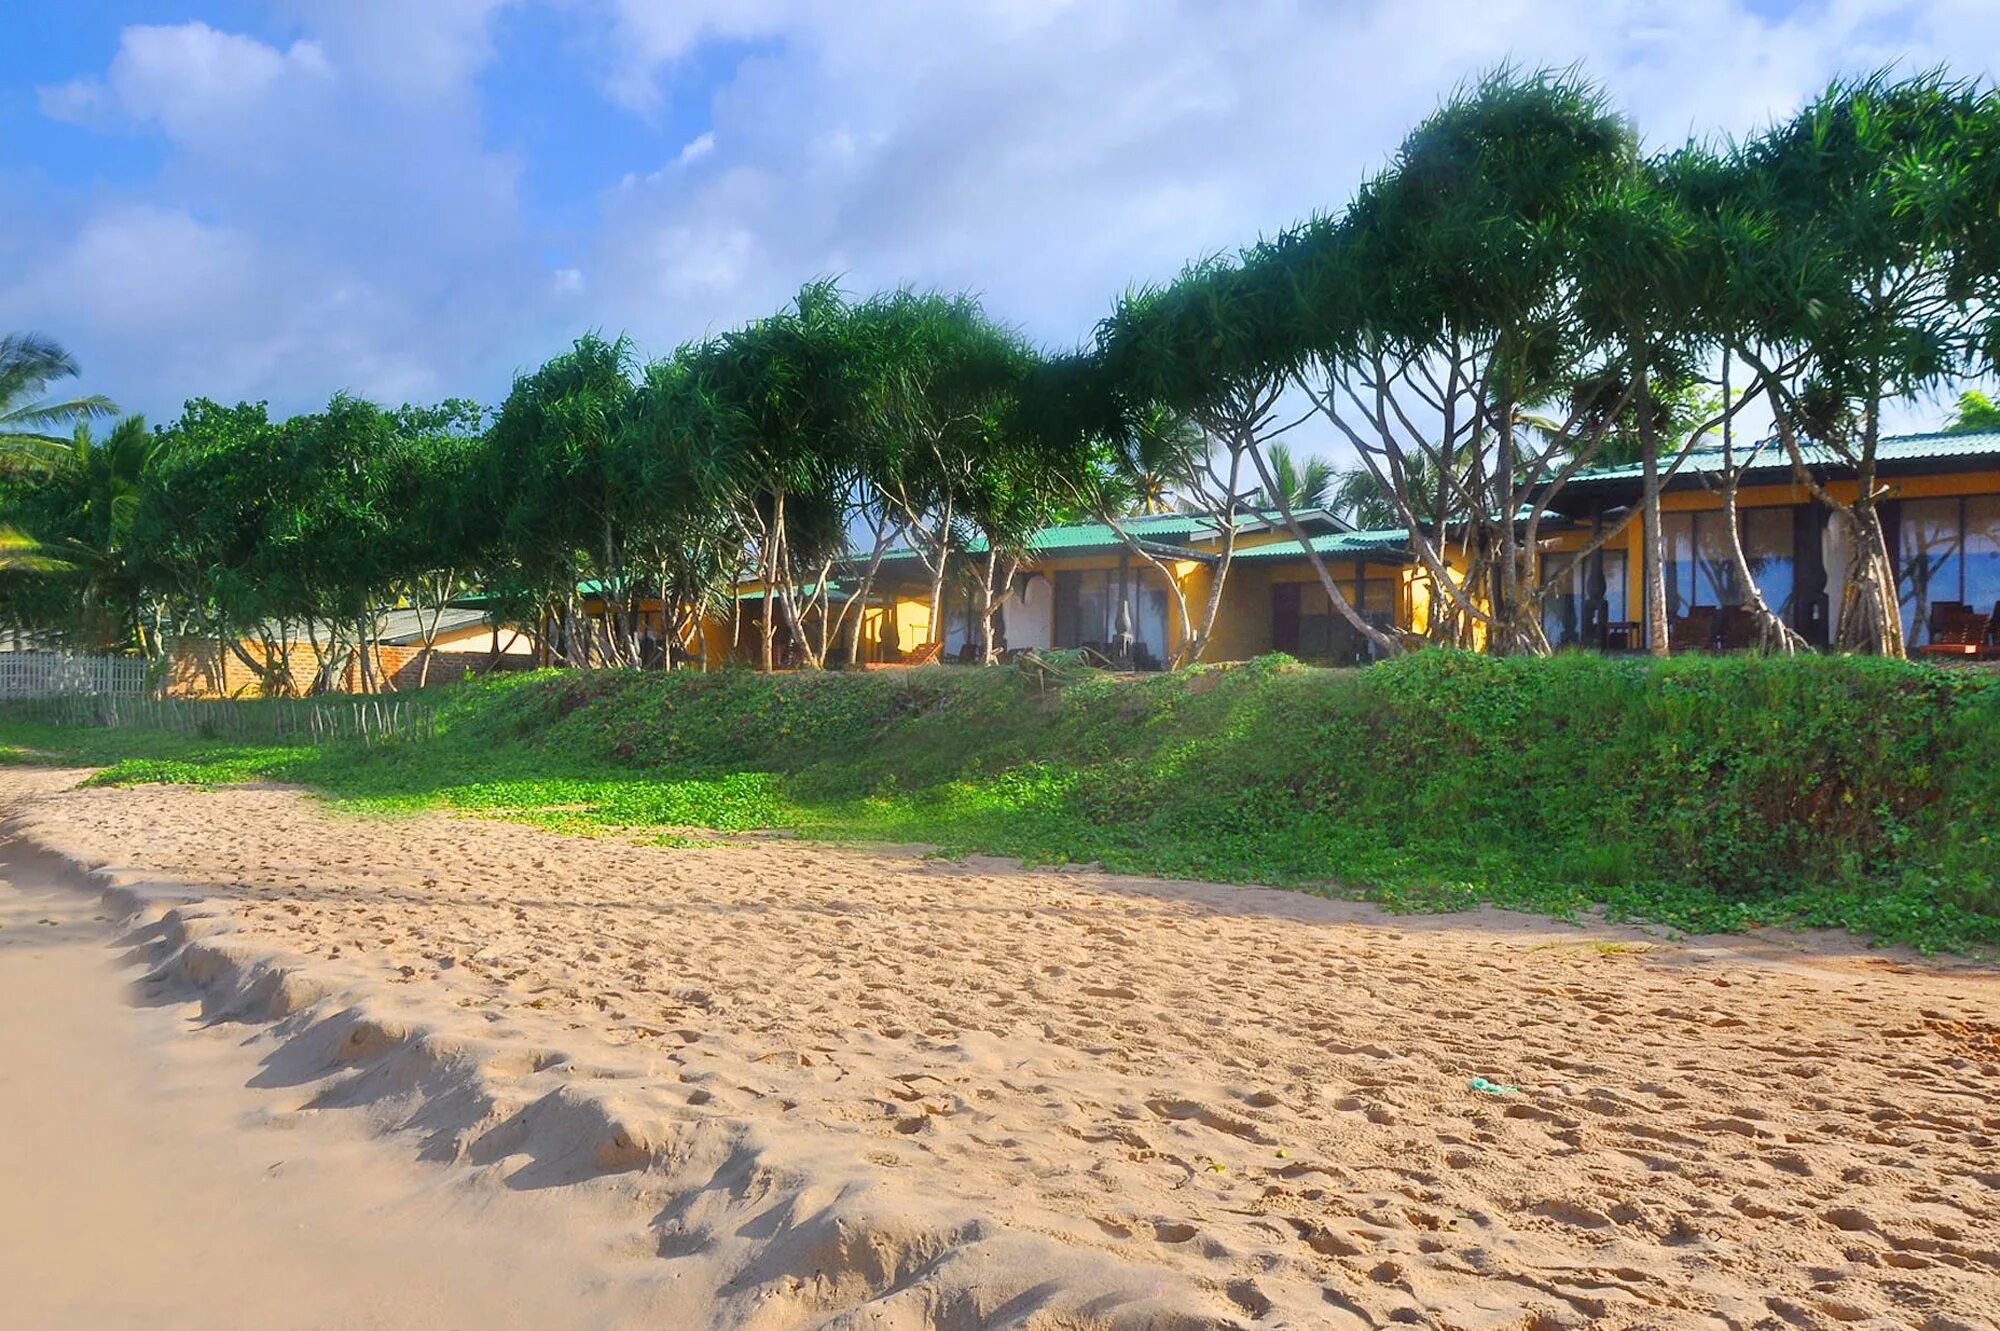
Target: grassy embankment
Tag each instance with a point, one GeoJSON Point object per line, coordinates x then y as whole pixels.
{"type": "Point", "coordinates": [1704, 793]}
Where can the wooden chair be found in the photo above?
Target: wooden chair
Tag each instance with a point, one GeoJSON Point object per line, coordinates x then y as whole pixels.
{"type": "Point", "coordinates": [1960, 636]}
{"type": "Point", "coordinates": [1693, 631]}
{"type": "Point", "coordinates": [1942, 612]}
{"type": "Point", "coordinates": [1736, 629]}
{"type": "Point", "coordinates": [923, 654]}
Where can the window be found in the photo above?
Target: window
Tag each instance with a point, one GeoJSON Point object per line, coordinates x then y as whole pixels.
{"type": "Point", "coordinates": [1087, 603]}
{"type": "Point", "coordinates": [1947, 550]}
{"type": "Point", "coordinates": [1700, 570]}
{"type": "Point", "coordinates": [1564, 612]}
{"type": "Point", "coordinates": [1305, 624]}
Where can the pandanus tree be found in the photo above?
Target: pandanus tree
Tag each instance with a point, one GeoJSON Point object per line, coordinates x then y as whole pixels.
{"type": "Point", "coordinates": [1131, 454]}
{"type": "Point", "coordinates": [1861, 274]}
{"type": "Point", "coordinates": [1202, 348]}
{"type": "Point", "coordinates": [200, 526]}
{"type": "Point", "coordinates": [1023, 477]}
{"type": "Point", "coordinates": [329, 552]}
{"type": "Point", "coordinates": [692, 538]}
{"type": "Point", "coordinates": [565, 504]}
{"type": "Point", "coordinates": [936, 384]}
{"type": "Point", "coordinates": [1438, 313]}
{"type": "Point", "coordinates": [1646, 266]}
{"type": "Point", "coordinates": [439, 526]}
{"type": "Point", "coordinates": [785, 454]}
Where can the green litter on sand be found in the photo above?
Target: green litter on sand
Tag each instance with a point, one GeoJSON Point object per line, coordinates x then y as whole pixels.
{"type": "Point", "coordinates": [1492, 1087]}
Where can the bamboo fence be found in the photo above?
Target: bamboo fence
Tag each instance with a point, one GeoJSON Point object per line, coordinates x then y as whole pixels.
{"type": "Point", "coordinates": [290, 721]}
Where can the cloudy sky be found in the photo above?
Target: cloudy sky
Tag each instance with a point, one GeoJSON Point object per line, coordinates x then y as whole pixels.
{"type": "Point", "coordinates": [413, 199]}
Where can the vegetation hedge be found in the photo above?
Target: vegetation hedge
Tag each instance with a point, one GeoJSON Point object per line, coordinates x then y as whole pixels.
{"type": "Point", "coordinates": [1703, 792]}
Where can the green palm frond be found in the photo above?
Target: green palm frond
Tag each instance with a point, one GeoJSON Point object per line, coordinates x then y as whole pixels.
{"type": "Point", "coordinates": [1303, 482]}
{"type": "Point", "coordinates": [22, 553]}
{"type": "Point", "coordinates": [29, 363]}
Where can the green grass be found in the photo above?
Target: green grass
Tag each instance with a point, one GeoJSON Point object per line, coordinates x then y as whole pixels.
{"type": "Point", "coordinates": [1704, 794]}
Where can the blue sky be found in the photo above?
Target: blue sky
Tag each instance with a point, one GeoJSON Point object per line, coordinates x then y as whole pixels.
{"type": "Point", "coordinates": [414, 199]}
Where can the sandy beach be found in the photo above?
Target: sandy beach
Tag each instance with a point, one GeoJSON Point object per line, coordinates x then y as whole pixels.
{"type": "Point", "coordinates": [151, 1180]}
{"type": "Point", "coordinates": [770, 1085]}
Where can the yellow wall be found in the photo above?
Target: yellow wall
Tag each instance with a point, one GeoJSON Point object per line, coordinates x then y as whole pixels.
{"type": "Point", "coordinates": [904, 623]}
{"type": "Point", "coordinates": [1243, 621]}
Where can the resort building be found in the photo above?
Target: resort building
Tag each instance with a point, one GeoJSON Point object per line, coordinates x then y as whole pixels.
{"type": "Point", "coordinates": [1083, 585]}
{"type": "Point", "coordinates": [1940, 510]}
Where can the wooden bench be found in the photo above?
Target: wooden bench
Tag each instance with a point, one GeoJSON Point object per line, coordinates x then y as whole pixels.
{"type": "Point", "coordinates": [1959, 635]}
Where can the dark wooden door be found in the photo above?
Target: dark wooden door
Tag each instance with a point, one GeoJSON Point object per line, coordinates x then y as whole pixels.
{"type": "Point", "coordinates": [1285, 617]}
{"type": "Point", "coordinates": [1066, 633]}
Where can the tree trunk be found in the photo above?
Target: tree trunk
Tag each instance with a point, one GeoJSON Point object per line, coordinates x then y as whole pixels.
{"type": "Point", "coordinates": [1771, 630]}
{"type": "Point", "coordinates": [1512, 635]}
{"type": "Point", "coordinates": [768, 624]}
{"type": "Point", "coordinates": [1653, 538]}
{"type": "Point", "coordinates": [938, 576]}
{"type": "Point", "coordinates": [994, 592]}
{"type": "Point", "coordinates": [1194, 645]}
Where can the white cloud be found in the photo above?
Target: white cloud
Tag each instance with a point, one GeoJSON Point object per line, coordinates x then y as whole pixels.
{"type": "Point", "coordinates": [80, 102]}
{"type": "Point", "coordinates": [419, 52]}
{"type": "Point", "coordinates": [194, 302]}
{"type": "Point", "coordinates": [1047, 154]}
{"type": "Point", "coordinates": [190, 79]}
{"type": "Point", "coordinates": [332, 213]}
{"type": "Point", "coordinates": [697, 148]}
{"type": "Point", "coordinates": [323, 220]}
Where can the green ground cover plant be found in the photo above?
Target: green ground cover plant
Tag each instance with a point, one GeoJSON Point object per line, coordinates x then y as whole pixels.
{"type": "Point", "coordinates": [1704, 794]}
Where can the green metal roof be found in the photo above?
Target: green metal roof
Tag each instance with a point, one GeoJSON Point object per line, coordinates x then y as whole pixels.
{"type": "Point", "coordinates": [1158, 530]}
{"type": "Point", "coordinates": [806, 589]}
{"type": "Point", "coordinates": [1897, 453]}
{"type": "Point", "coordinates": [1337, 545]}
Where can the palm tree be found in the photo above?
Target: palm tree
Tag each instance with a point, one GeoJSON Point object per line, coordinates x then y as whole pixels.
{"type": "Point", "coordinates": [80, 525]}
{"type": "Point", "coordinates": [1303, 483]}
{"type": "Point", "coordinates": [1158, 456]}
{"type": "Point", "coordinates": [1362, 500]}
{"type": "Point", "coordinates": [28, 364]}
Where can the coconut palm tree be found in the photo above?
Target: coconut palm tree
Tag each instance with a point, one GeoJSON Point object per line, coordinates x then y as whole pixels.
{"type": "Point", "coordinates": [76, 523]}
{"type": "Point", "coordinates": [1303, 482]}
{"type": "Point", "coordinates": [29, 363]}
{"type": "Point", "coordinates": [1356, 495]}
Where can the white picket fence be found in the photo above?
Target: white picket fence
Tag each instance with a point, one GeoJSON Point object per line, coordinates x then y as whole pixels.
{"type": "Point", "coordinates": [59, 674]}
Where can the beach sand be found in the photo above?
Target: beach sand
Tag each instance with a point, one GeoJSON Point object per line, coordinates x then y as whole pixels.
{"type": "Point", "coordinates": [834, 1087]}
{"type": "Point", "coordinates": [145, 1182]}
